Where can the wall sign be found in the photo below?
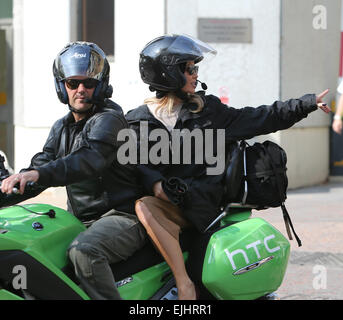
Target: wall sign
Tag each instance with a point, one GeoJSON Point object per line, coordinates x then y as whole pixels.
{"type": "Point", "coordinates": [225, 30]}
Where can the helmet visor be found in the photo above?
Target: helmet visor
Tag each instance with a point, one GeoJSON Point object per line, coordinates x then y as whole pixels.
{"type": "Point", "coordinates": [76, 62]}
{"type": "Point", "coordinates": [189, 48]}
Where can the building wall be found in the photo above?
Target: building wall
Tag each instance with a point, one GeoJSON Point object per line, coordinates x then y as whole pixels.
{"type": "Point", "coordinates": [249, 71]}
{"type": "Point", "coordinates": [37, 40]}
{"type": "Point", "coordinates": [287, 57]}
{"type": "Point", "coordinates": [309, 64]}
{"type": "Point", "coordinates": [6, 90]}
{"type": "Point", "coordinates": [136, 23]}
{"type": "Point", "coordinates": [6, 77]}
{"type": "Point", "coordinates": [234, 66]}
{"type": "Point", "coordinates": [39, 37]}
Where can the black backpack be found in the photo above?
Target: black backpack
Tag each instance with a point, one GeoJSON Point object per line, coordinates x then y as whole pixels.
{"type": "Point", "coordinates": [260, 172]}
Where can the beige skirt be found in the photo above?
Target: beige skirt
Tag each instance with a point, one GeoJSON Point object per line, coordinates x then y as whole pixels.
{"type": "Point", "coordinates": [168, 215]}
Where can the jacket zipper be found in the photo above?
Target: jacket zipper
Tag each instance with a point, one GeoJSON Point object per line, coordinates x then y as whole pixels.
{"type": "Point", "coordinates": [66, 152]}
{"type": "Point", "coordinates": [71, 201]}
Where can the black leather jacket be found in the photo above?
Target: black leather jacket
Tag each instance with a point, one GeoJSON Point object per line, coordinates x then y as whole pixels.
{"type": "Point", "coordinates": [82, 156]}
{"type": "Point", "coordinates": [206, 191]}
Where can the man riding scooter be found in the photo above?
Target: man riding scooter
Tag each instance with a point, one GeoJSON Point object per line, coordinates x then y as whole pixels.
{"type": "Point", "coordinates": [80, 153]}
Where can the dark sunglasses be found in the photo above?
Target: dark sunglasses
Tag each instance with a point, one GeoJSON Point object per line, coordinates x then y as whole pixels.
{"type": "Point", "coordinates": [88, 83]}
{"type": "Point", "coordinates": [192, 69]}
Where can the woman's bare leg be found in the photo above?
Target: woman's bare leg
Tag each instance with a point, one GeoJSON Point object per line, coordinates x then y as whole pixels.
{"type": "Point", "coordinates": [170, 250]}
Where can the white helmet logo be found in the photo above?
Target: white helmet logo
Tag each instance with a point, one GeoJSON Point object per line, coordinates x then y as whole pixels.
{"type": "Point", "coordinates": [78, 55]}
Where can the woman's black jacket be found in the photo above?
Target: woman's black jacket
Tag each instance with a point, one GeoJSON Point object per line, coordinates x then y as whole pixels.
{"type": "Point", "coordinates": [206, 191]}
{"type": "Point", "coordinates": [83, 157]}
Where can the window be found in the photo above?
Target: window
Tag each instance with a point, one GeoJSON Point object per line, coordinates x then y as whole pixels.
{"type": "Point", "coordinates": [6, 7]}
{"type": "Point", "coordinates": [94, 23]}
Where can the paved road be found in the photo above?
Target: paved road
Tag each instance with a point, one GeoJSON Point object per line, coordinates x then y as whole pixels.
{"type": "Point", "coordinates": [315, 269]}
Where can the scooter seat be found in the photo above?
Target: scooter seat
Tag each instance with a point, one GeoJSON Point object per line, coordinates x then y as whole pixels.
{"type": "Point", "coordinates": [149, 256]}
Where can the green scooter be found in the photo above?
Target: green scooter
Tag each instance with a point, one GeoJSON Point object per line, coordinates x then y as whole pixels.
{"type": "Point", "coordinates": [238, 257]}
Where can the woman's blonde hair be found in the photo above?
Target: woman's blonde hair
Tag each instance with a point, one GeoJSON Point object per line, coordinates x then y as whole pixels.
{"type": "Point", "coordinates": [167, 102]}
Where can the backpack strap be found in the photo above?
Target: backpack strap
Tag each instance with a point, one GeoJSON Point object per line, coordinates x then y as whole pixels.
{"type": "Point", "coordinates": [288, 223]}
{"type": "Point", "coordinates": [286, 217]}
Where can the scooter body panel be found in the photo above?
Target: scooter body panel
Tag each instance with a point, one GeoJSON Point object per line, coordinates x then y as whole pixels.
{"type": "Point", "coordinates": [39, 234]}
{"type": "Point", "coordinates": [143, 285]}
{"type": "Point", "coordinates": [245, 260]}
{"type": "Point", "coordinates": [40, 237]}
{"type": "Point", "coordinates": [7, 295]}
{"type": "Point", "coordinates": [232, 267]}
{"type": "Point", "coordinates": [45, 250]}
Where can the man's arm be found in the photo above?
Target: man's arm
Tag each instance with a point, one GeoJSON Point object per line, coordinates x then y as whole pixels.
{"type": "Point", "coordinates": [30, 174]}
{"type": "Point", "coordinates": [97, 151]}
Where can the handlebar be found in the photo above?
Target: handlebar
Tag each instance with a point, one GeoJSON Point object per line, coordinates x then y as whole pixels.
{"type": "Point", "coordinates": [32, 189]}
{"type": "Point", "coordinates": [29, 185]}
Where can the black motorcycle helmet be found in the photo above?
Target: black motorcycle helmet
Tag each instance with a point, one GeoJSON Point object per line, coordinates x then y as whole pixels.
{"type": "Point", "coordinates": [82, 59]}
{"type": "Point", "coordinates": [161, 61]}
